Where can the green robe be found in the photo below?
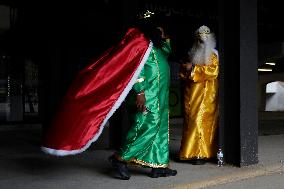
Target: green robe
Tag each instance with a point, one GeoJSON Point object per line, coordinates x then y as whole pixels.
{"type": "Point", "coordinates": [147, 142]}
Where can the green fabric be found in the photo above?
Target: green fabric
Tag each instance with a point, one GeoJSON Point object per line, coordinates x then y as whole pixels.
{"type": "Point", "coordinates": [148, 139]}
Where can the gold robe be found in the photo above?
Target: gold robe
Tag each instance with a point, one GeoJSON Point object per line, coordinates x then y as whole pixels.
{"type": "Point", "coordinates": [199, 140]}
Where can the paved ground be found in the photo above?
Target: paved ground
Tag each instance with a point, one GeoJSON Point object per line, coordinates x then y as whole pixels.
{"type": "Point", "coordinates": [23, 166]}
{"type": "Point", "coordinates": [273, 181]}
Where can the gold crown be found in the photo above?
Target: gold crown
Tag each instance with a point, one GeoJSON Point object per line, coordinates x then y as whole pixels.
{"type": "Point", "coordinates": [203, 30]}
{"type": "Point", "coordinates": [146, 14]}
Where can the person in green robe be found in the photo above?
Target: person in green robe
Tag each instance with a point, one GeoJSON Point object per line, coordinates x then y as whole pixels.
{"type": "Point", "coordinates": [147, 141]}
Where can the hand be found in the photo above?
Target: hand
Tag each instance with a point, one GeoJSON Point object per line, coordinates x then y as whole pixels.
{"type": "Point", "coordinates": [188, 66]}
{"type": "Point", "coordinates": [140, 102]}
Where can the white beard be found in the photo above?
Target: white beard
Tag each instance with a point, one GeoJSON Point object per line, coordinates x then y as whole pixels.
{"type": "Point", "coordinates": [200, 53]}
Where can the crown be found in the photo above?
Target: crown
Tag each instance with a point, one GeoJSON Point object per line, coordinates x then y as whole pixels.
{"type": "Point", "coordinates": [203, 30]}
{"type": "Point", "coordinates": [146, 14]}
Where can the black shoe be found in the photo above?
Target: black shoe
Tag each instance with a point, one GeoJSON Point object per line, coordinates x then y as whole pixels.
{"type": "Point", "coordinates": [120, 167]}
{"type": "Point", "coordinates": [162, 172]}
{"type": "Point", "coordinates": [198, 162]}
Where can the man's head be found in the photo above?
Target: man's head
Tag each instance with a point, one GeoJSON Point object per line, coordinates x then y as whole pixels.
{"type": "Point", "coordinates": [153, 25]}
{"type": "Point", "coordinates": [202, 49]}
{"type": "Point", "coordinates": [203, 33]}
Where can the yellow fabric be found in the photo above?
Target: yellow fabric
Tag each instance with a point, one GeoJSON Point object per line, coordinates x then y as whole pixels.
{"type": "Point", "coordinates": [199, 140]}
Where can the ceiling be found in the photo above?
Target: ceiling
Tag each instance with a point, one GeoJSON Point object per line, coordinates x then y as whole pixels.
{"type": "Point", "coordinates": [270, 17]}
{"type": "Point", "coordinates": [271, 33]}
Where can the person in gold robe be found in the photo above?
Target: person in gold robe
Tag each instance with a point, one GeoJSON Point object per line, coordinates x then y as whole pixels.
{"type": "Point", "coordinates": [200, 73]}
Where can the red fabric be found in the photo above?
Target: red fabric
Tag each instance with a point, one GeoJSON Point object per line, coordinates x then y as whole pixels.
{"type": "Point", "coordinates": [94, 92]}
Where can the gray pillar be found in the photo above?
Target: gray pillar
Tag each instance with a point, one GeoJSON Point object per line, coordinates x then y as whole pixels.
{"type": "Point", "coordinates": [238, 81]}
{"type": "Point", "coordinates": [248, 82]}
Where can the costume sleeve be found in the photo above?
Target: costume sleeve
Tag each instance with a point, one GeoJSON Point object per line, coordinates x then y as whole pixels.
{"type": "Point", "coordinates": [140, 82]}
{"type": "Point", "coordinates": [202, 73]}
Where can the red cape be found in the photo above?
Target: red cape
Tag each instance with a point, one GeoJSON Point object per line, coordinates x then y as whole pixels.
{"type": "Point", "coordinates": [97, 91]}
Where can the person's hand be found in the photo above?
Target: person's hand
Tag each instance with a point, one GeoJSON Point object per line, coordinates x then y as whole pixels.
{"type": "Point", "coordinates": [140, 101]}
{"type": "Point", "coordinates": [188, 66]}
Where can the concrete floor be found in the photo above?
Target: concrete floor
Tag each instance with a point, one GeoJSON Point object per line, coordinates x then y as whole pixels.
{"type": "Point", "coordinates": [24, 166]}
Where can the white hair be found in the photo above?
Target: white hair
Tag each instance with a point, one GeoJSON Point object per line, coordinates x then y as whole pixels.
{"type": "Point", "coordinates": [201, 51]}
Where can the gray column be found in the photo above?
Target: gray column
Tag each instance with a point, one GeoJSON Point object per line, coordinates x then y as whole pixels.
{"type": "Point", "coordinates": [248, 82]}
{"type": "Point", "coordinates": [238, 81]}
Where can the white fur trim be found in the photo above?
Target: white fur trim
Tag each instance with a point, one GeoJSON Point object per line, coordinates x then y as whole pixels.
{"type": "Point", "coordinates": [113, 109]}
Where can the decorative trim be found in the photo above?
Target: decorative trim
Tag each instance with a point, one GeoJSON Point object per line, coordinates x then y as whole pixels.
{"type": "Point", "coordinates": [134, 161]}
{"type": "Point", "coordinates": [152, 165]}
